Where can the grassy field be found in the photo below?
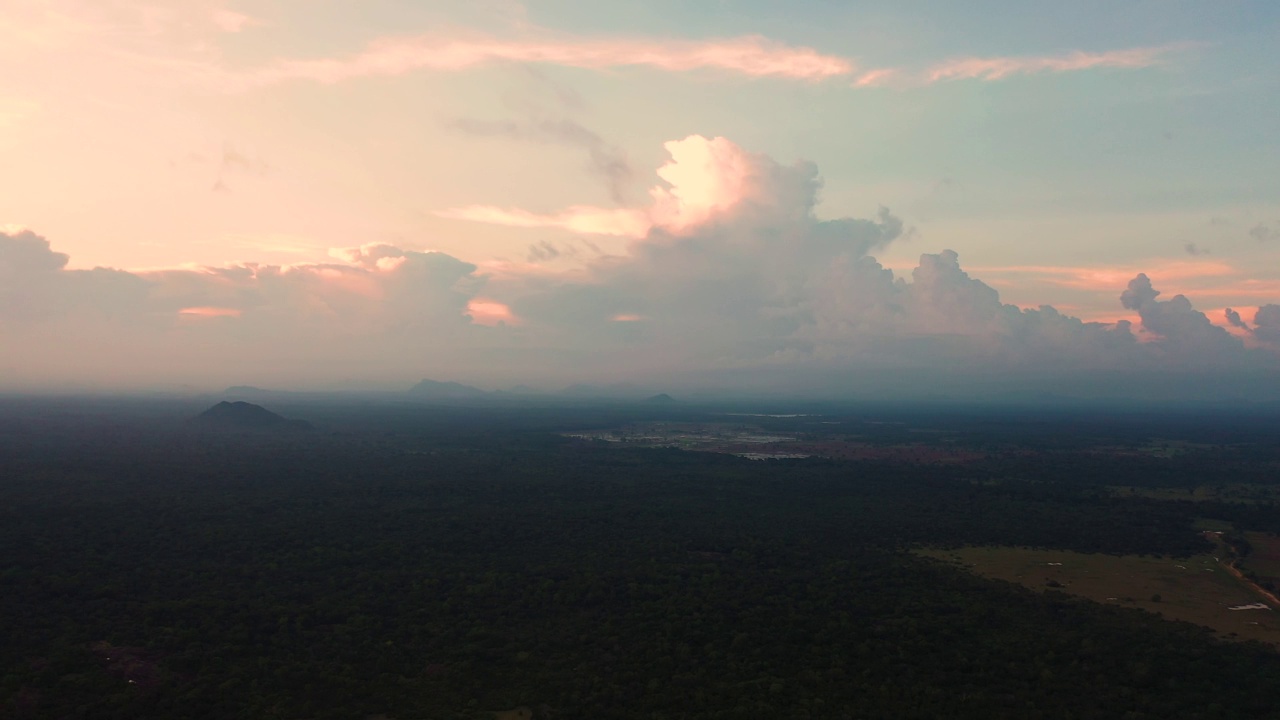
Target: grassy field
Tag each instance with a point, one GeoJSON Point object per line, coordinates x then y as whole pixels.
{"type": "Point", "coordinates": [1195, 589]}
{"type": "Point", "coordinates": [1265, 558]}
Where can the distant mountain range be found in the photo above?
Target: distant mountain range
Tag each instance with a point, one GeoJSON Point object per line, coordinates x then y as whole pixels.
{"type": "Point", "coordinates": [437, 390]}
{"type": "Point", "coordinates": [447, 390]}
{"type": "Point", "coordinates": [452, 392]}
{"type": "Point", "coordinates": [246, 416]}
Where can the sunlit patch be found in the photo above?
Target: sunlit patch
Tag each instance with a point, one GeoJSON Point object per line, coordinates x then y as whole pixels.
{"type": "Point", "coordinates": [371, 256]}
{"type": "Point", "coordinates": [209, 312]}
{"type": "Point", "coordinates": [705, 178]}
{"type": "Point", "coordinates": [620, 222]}
{"type": "Point", "coordinates": [490, 312]}
{"type": "Point", "coordinates": [1112, 319]}
{"type": "Point", "coordinates": [627, 317]}
{"type": "Point", "coordinates": [351, 280]}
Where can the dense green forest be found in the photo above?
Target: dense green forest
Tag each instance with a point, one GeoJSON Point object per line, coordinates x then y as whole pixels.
{"type": "Point", "coordinates": [445, 563]}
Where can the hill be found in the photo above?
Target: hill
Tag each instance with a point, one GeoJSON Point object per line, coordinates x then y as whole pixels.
{"type": "Point", "coordinates": [246, 416]}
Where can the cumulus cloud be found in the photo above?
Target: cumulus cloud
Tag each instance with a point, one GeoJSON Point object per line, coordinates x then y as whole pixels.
{"type": "Point", "coordinates": [378, 307]}
{"type": "Point", "coordinates": [729, 273]}
{"type": "Point", "coordinates": [704, 179]}
{"type": "Point", "coordinates": [735, 269]}
{"type": "Point", "coordinates": [1267, 324]}
{"type": "Point", "coordinates": [1234, 319]}
{"type": "Point", "coordinates": [1176, 322]}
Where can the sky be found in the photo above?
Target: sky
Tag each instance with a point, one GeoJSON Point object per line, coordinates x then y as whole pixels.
{"type": "Point", "coordinates": [815, 197]}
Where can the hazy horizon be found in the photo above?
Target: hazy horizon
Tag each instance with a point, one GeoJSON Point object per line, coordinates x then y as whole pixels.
{"type": "Point", "coordinates": [729, 200]}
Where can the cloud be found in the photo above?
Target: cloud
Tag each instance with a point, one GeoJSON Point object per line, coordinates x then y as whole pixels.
{"type": "Point", "coordinates": [619, 222]}
{"type": "Point", "coordinates": [380, 308]}
{"type": "Point", "coordinates": [746, 275]}
{"type": "Point", "coordinates": [605, 160]}
{"type": "Point", "coordinates": [543, 251]}
{"type": "Point", "coordinates": [1175, 321]}
{"type": "Point", "coordinates": [704, 179]}
{"type": "Point", "coordinates": [996, 68]}
{"type": "Point", "coordinates": [490, 312]}
{"type": "Point", "coordinates": [1193, 250]}
{"type": "Point", "coordinates": [1265, 328]}
{"type": "Point", "coordinates": [180, 43]}
{"type": "Point", "coordinates": [1234, 320]}
{"type": "Point", "coordinates": [1107, 277]}
{"type": "Point", "coordinates": [1003, 67]}
{"type": "Point", "coordinates": [1263, 233]}
{"type": "Point", "coordinates": [752, 56]}
{"type": "Point", "coordinates": [730, 276]}
{"type": "Point", "coordinates": [1267, 324]}
{"type": "Point", "coordinates": [23, 253]}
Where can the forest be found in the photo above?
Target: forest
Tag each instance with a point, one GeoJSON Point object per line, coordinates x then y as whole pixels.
{"type": "Point", "coordinates": [422, 562]}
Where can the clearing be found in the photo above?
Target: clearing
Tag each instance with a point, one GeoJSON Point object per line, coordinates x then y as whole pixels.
{"type": "Point", "coordinates": [1198, 589]}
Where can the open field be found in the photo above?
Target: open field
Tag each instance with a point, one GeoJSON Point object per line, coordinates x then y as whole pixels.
{"type": "Point", "coordinates": [1196, 589]}
{"type": "Point", "coordinates": [1265, 556]}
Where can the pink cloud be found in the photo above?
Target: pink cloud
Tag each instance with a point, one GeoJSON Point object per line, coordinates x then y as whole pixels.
{"type": "Point", "coordinates": [753, 56]}
{"type": "Point", "coordinates": [484, 311]}
{"type": "Point", "coordinates": [209, 312]}
{"type": "Point", "coordinates": [1106, 279]}
{"type": "Point", "coordinates": [1244, 288]}
{"type": "Point", "coordinates": [876, 77]}
{"type": "Point", "coordinates": [999, 68]}
{"type": "Point", "coordinates": [579, 219]}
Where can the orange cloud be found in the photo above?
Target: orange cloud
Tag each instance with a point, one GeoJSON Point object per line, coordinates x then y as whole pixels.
{"type": "Point", "coordinates": [579, 219]}
{"type": "Point", "coordinates": [209, 312]}
{"type": "Point", "coordinates": [490, 312]}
